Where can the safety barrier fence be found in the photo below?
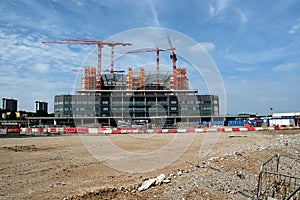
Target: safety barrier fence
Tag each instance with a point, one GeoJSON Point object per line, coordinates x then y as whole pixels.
{"type": "Point", "coordinates": [279, 178]}
{"type": "Point", "coordinates": [83, 130]}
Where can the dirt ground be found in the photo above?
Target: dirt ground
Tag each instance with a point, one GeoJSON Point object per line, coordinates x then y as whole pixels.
{"type": "Point", "coordinates": [75, 167]}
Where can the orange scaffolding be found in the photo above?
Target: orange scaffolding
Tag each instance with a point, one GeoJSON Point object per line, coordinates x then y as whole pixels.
{"type": "Point", "coordinates": [142, 84]}
{"type": "Point", "coordinates": [136, 81]}
{"type": "Point", "coordinates": [182, 80]}
{"type": "Point", "coordinates": [89, 82]}
{"type": "Point", "coordinates": [129, 79]}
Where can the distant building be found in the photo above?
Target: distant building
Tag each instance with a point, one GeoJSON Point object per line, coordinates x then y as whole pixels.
{"type": "Point", "coordinates": [41, 106]}
{"type": "Point", "coordinates": [41, 109]}
{"type": "Point", "coordinates": [10, 105]}
{"type": "Point", "coordinates": [286, 114]}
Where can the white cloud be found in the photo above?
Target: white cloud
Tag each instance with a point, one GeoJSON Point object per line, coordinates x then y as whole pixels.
{"type": "Point", "coordinates": [26, 51]}
{"type": "Point", "coordinates": [208, 46]}
{"type": "Point", "coordinates": [155, 18]}
{"type": "Point", "coordinates": [243, 16]}
{"type": "Point", "coordinates": [220, 5]}
{"type": "Point", "coordinates": [263, 99]}
{"type": "Point", "coordinates": [211, 10]}
{"type": "Point", "coordinates": [31, 70]}
{"type": "Point", "coordinates": [41, 67]}
{"type": "Point", "coordinates": [265, 55]}
{"type": "Point", "coordinates": [245, 69]}
{"type": "Point", "coordinates": [294, 27]}
{"type": "Point", "coordinates": [80, 3]}
{"type": "Point", "coordinates": [285, 67]}
{"type": "Point", "coordinates": [202, 47]}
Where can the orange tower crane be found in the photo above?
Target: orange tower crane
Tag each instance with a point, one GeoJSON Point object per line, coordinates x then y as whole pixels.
{"type": "Point", "coordinates": [100, 44]}
{"type": "Point", "coordinates": [174, 59]}
{"type": "Point", "coordinates": [157, 50]}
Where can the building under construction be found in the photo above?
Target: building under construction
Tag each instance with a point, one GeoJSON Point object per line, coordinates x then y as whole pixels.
{"type": "Point", "coordinates": [136, 97]}
{"type": "Point", "coordinates": [154, 98]}
{"type": "Point", "coordinates": [134, 80]}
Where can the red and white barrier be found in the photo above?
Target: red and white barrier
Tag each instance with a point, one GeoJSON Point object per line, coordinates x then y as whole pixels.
{"type": "Point", "coordinates": [82, 130]}
{"type": "Point", "coordinates": [199, 130]}
{"type": "Point", "coordinates": [53, 130]}
{"type": "Point", "coordinates": [93, 131]}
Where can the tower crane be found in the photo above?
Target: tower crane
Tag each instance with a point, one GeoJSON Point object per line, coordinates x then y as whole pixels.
{"type": "Point", "coordinates": [174, 59]}
{"type": "Point", "coordinates": [157, 50]}
{"type": "Point", "coordinates": [99, 44]}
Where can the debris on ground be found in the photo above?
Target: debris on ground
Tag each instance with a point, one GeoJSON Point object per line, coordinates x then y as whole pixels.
{"type": "Point", "coordinates": [154, 182]}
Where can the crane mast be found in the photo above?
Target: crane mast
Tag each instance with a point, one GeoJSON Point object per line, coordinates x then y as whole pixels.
{"type": "Point", "coordinates": [174, 59]}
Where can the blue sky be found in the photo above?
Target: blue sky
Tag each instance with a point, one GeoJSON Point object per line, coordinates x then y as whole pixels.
{"type": "Point", "coordinates": [254, 44]}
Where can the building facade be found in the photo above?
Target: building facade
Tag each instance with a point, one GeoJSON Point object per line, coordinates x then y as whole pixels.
{"type": "Point", "coordinates": [111, 106]}
{"type": "Point", "coordinates": [41, 106]}
{"type": "Point", "coordinates": [10, 105]}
